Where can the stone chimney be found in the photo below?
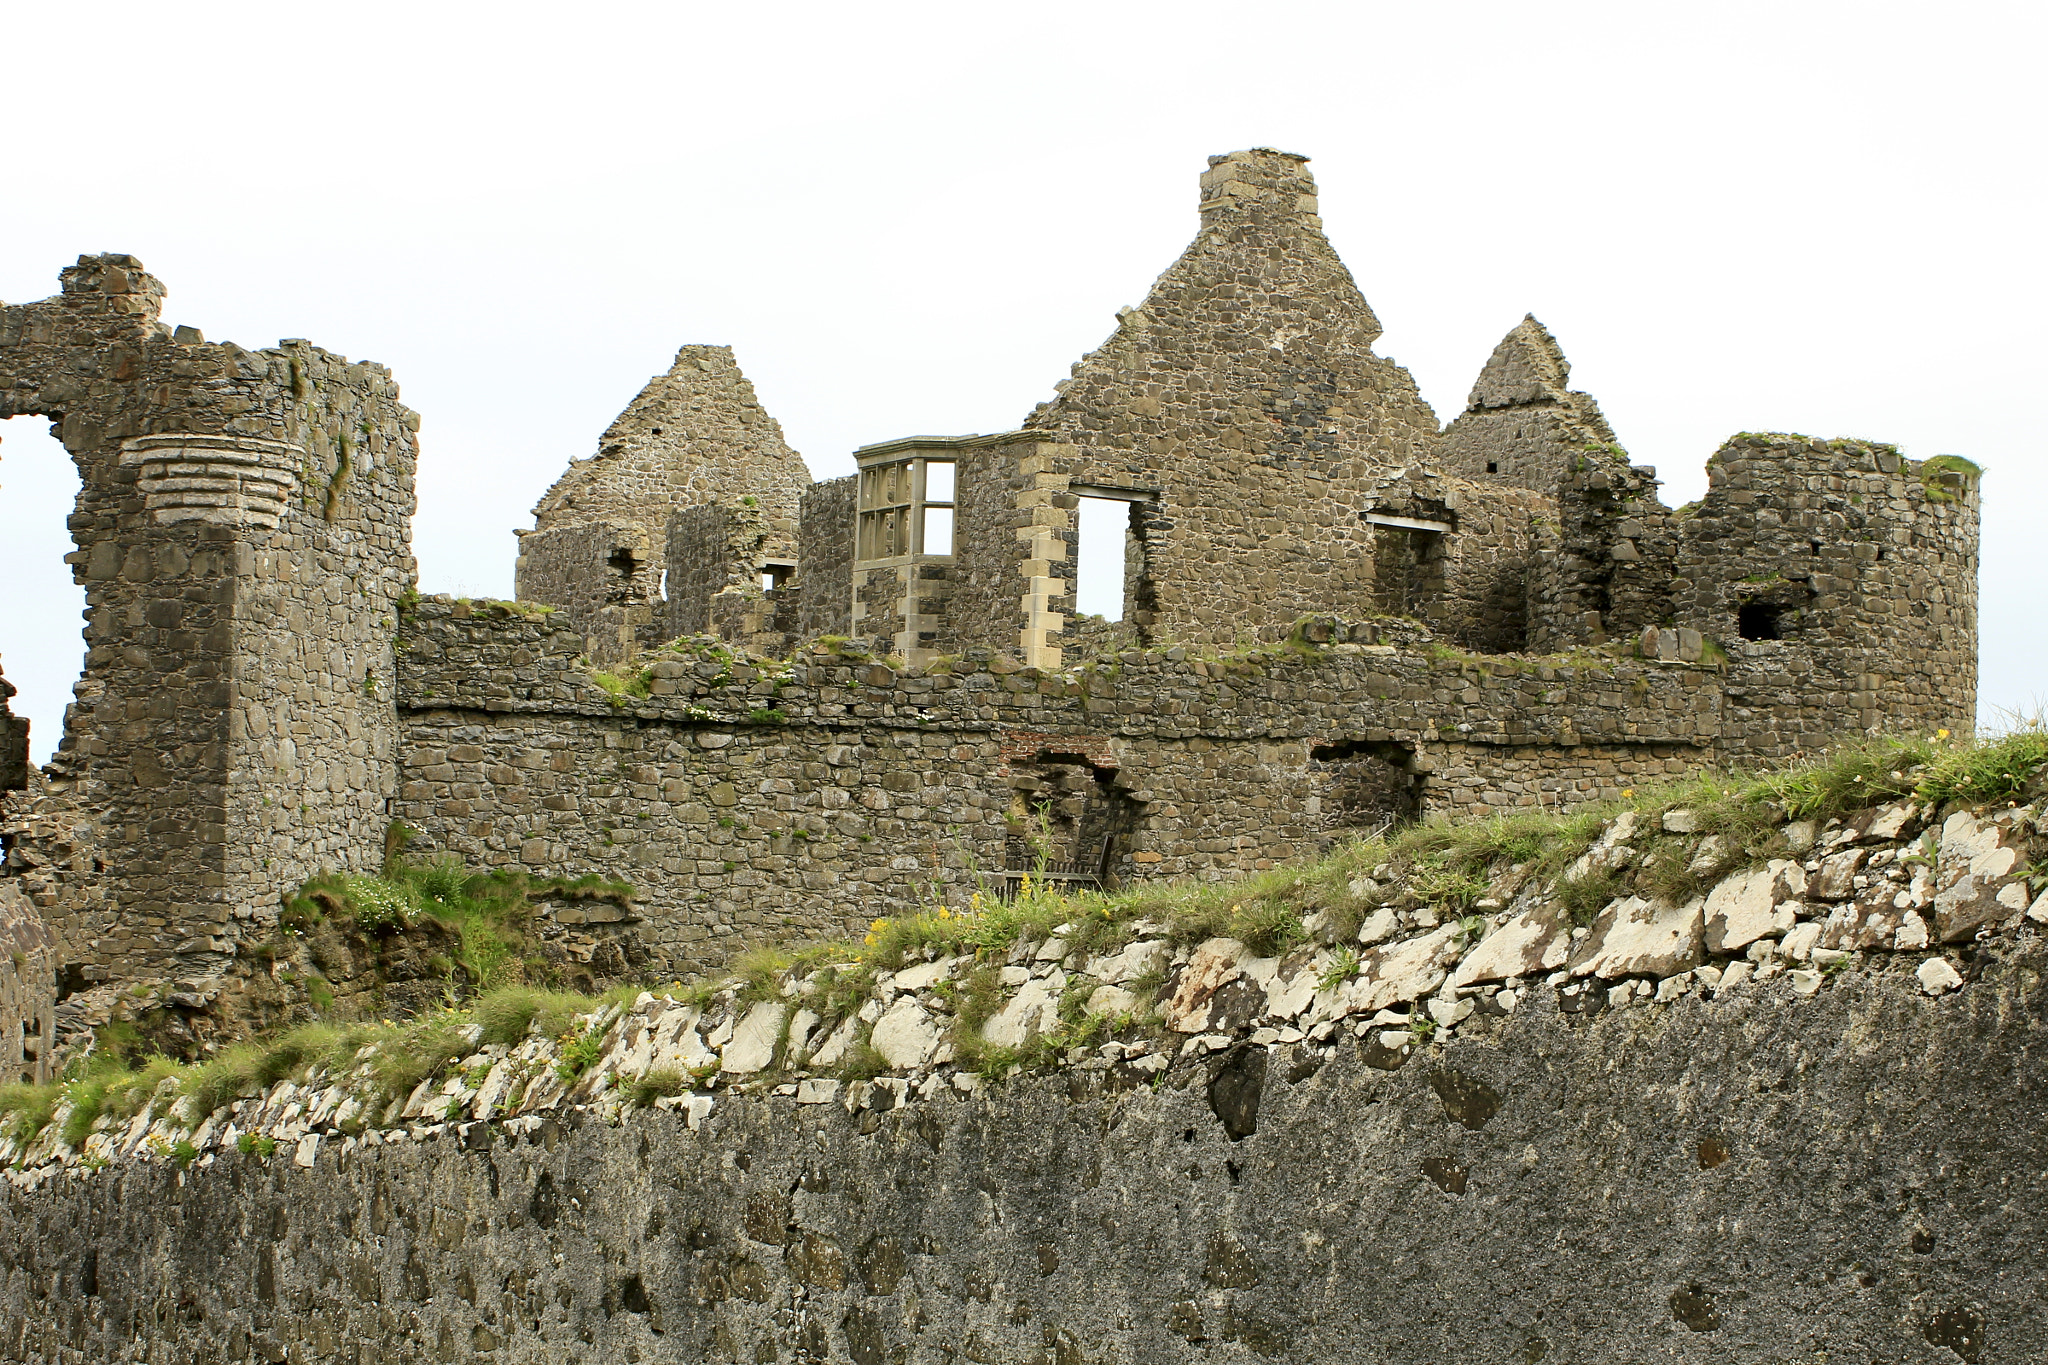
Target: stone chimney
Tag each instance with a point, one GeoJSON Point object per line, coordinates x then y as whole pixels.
{"type": "Point", "coordinates": [1261, 184]}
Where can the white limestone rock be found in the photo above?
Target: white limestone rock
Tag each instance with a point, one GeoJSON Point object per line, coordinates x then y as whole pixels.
{"type": "Point", "coordinates": [1637, 937]}
{"type": "Point", "coordinates": [1402, 972]}
{"type": "Point", "coordinates": [1752, 905]}
{"type": "Point", "coordinates": [1936, 976]}
{"type": "Point", "coordinates": [753, 1040]}
{"type": "Point", "coordinates": [905, 1035]}
{"type": "Point", "coordinates": [1033, 1010]}
{"type": "Point", "coordinates": [1530, 943]}
{"type": "Point", "coordinates": [1213, 966]}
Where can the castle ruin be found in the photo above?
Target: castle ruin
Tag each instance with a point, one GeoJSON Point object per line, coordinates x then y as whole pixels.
{"type": "Point", "coordinates": [781, 707]}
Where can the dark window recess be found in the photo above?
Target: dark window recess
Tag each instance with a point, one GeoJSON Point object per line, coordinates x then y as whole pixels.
{"type": "Point", "coordinates": [1365, 785]}
{"type": "Point", "coordinates": [1493, 467]}
{"type": "Point", "coordinates": [1759, 621]}
{"type": "Point", "coordinates": [622, 561]}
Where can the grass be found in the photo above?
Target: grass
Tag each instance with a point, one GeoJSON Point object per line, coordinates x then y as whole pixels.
{"type": "Point", "coordinates": [491, 912]}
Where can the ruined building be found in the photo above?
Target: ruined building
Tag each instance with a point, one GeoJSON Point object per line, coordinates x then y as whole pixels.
{"type": "Point", "coordinates": [1335, 612]}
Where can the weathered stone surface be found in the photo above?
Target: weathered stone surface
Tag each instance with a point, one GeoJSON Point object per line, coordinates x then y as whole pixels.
{"type": "Point", "coordinates": [1752, 905]}
{"type": "Point", "coordinates": [905, 1035]}
{"type": "Point", "coordinates": [825, 1224]}
{"type": "Point", "coordinates": [1403, 972]}
{"type": "Point", "coordinates": [1636, 937]}
{"type": "Point", "coordinates": [1535, 941]}
{"type": "Point", "coordinates": [1213, 966]}
{"type": "Point", "coordinates": [754, 1039]}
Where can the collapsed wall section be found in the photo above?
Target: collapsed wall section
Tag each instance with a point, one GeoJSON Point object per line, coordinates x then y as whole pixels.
{"type": "Point", "coordinates": [242, 532]}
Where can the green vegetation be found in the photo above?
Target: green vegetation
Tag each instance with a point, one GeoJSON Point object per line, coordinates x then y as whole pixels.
{"type": "Point", "coordinates": [1942, 472]}
{"type": "Point", "coordinates": [489, 912]}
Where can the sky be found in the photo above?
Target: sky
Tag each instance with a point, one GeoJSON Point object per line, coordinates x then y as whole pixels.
{"type": "Point", "coordinates": [912, 218]}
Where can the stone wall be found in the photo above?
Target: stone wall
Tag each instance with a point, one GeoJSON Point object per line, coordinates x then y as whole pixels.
{"type": "Point", "coordinates": [604, 576]}
{"type": "Point", "coordinates": [13, 743]}
{"type": "Point", "coordinates": [1244, 390]}
{"type": "Point", "coordinates": [28, 989]}
{"type": "Point", "coordinates": [1753, 1169]}
{"type": "Point", "coordinates": [1523, 423]}
{"type": "Point", "coordinates": [825, 559]}
{"type": "Point", "coordinates": [746, 796]}
{"type": "Point", "coordinates": [242, 535]}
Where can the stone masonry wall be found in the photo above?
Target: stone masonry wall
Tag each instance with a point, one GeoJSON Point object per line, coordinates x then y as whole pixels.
{"type": "Point", "coordinates": [809, 796]}
{"type": "Point", "coordinates": [1523, 423]}
{"type": "Point", "coordinates": [1796, 1118]}
{"type": "Point", "coordinates": [28, 989]}
{"type": "Point", "coordinates": [1866, 566]}
{"type": "Point", "coordinates": [243, 541]}
{"type": "Point", "coordinates": [604, 576]}
{"type": "Point", "coordinates": [694, 436]}
{"type": "Point", "coordinates": [825, 558]}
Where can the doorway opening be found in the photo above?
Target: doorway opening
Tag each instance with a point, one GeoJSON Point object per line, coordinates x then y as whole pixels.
{"type": "Point", "coordinates": [42, 648]}
{"type": "Point", "coordinates": [1365, 785]}
{"type": "Point", "coordinates": [1071, 823]}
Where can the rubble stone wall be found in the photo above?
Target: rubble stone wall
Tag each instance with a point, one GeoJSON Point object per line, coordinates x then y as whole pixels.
{"type": "Point", "coordinates": [1246, 391]}
{"type": "Point", "coordinates": [242, 535]}
{"type": "Point", "coordinates": [748, 796]}
{"type": "Point", "coordinates": [825, 558]}
{"type": "Point", "coordinates": [1778, 1170]}
{"type": "Point", "coordinates": [692, 437]}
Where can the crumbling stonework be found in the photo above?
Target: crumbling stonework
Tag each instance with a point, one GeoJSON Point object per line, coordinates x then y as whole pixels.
{"type": "Point", "coordinates": [13, 743]}
{"type": "Point", "coordinates": [1524, 424]}
{"type": "Point", "coordinates": [242, 536]}
{"type": "Point", "coordinates": [1333, 614]}
{"type": "Point", "coordinates": [28, 989]}
{"type": "Point", "coordinates": [694, 437]}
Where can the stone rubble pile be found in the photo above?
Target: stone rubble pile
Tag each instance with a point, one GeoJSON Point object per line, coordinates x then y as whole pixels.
{"type": "Point", "coordinates": [1890, 886]}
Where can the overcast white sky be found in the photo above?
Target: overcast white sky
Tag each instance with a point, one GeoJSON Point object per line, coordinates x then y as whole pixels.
{"type": "Point", "coordinates": [1818, 217]}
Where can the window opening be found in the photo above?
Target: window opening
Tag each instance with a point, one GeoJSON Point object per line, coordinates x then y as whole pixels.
{"type": "Point", "coordinates": [1759, 621]}
{"type": "Point", "coordinates": [775, 576]}
{"type": "Point", "coordinates": [1493, 466]}
{"type": "Point", "coordinates": [906, 508]}
{"type": "Point", "coordinates": [42, 649]}
{"type": "Point", "coordinates": [1102, 557]}
{"type": "Point", "coordinates": [1403, 565]}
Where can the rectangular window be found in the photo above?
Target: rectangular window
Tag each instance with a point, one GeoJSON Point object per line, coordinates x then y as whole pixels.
{"type": "Point", "coordinates": [1104, 529]}
{"type": "Point", "coordinates": [905, 508]}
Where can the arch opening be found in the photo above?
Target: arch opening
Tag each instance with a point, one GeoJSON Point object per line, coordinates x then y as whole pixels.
{"type": "Point", "coordinates": [41, 635]}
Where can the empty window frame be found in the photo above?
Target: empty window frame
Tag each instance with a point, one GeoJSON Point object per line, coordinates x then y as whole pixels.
{"type": "Point", "coordinates": [906, 508]}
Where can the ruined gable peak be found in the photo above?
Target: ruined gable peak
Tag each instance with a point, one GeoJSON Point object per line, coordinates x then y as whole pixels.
{"type": "Point", "coordinates": [1527, 367]}
{"type": "Point", "coordinates": [1261, 183]}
